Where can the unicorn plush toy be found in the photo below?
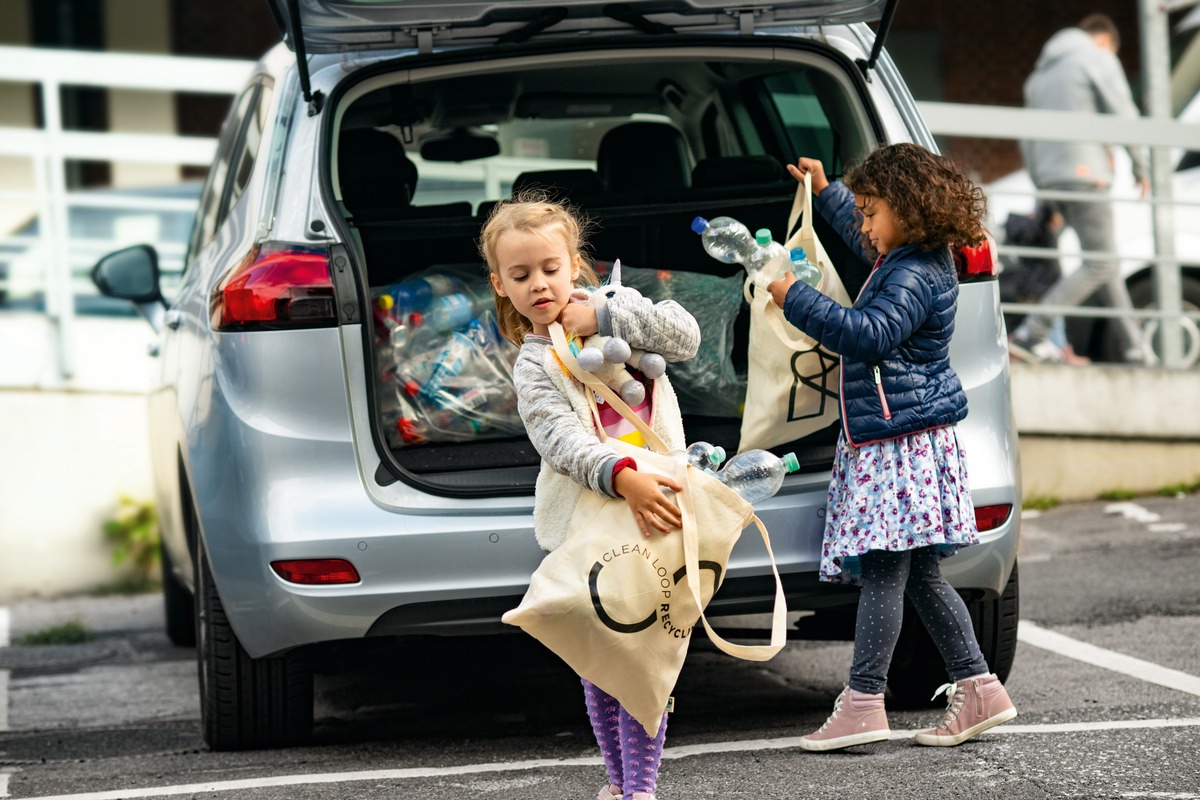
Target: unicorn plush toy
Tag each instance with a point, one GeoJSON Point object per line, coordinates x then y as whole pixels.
{"type": "Point", "coordinates": [607, 356]}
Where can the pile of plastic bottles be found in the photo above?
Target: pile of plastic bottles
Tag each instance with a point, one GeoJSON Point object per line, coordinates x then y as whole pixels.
{"type": "Point", "coordinates": [765, 259]}
{"type": "Point", "coordinates": [753, 474]}
{"type": "Point", "coordinates": [444, 370]}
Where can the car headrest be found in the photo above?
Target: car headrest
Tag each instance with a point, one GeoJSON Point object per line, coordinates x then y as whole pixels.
{"type": "Point", "coordinates": [736, 171]}
{"type": "Point", "coordinates": [374, 171]}
{"type": "Point", "coordinates": [649, 156]}
{"type": "Point", "coordinates": [562, 184]}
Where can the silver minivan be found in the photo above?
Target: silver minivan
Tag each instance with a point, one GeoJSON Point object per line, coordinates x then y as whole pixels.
{"type": "Point", "coordinates": [336, 453]}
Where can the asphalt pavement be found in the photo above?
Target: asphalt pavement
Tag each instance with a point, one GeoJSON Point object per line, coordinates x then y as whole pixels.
{"type": "Point", "coordinates": [1106, 679]}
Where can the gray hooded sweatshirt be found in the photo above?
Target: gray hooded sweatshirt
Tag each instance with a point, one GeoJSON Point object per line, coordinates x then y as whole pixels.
{"type": "Point", "coordinates": [1074, 74]}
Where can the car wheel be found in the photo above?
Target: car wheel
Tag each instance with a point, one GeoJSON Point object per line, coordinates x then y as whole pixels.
{"type": "Point", "coordinates": [917, 668]}
{"type": "Point", "coordinates": [178, 605]}
{"type": "Point", "coordinates": [995, 624]}
{"type": "Point", "coordinates": [246, 703]}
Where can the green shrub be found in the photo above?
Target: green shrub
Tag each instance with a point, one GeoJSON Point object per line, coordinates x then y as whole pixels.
{"type": "Point", "coordinates": [70, 632]}
{"type": "Point", "coordinates": [1118, 494]}
{"type": "Point", "coordinates": [134, 536]}
{"type": "Point", "coordinates": [1040, 502]}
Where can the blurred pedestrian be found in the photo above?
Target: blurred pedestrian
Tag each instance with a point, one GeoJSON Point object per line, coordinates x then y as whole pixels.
{"type": "Point", "coordinates": [1078, 70]}
{"type": "Point", "coordinates": [1032, 276]}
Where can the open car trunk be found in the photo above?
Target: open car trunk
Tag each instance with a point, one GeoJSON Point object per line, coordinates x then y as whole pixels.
{"type": "Point", "coordinates": [641, 140]}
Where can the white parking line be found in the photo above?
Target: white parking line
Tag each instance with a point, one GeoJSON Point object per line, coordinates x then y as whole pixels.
{"type": "Point", "coordinates": [3, 693]}
{"type": "Point", "coordinates": [1132, 511]}
{"type": "Point", "coordinates": [1032, 634]}
{"type": "Point", "coordinates": [684, 751]}
{"type": "Point", "coordinates": [3, 688]}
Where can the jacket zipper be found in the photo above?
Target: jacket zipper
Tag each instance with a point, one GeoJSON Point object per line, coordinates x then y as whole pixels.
{"type": "Point", "coordinates": [842, 371]}
{"type": "Point", "coordinates": [887, 412]}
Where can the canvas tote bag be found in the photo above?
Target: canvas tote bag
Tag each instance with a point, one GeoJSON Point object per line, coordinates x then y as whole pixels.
{"type": "Point", "coordinates": [619, 607]}
{"type": "Point", "coordinates": [791, 381]}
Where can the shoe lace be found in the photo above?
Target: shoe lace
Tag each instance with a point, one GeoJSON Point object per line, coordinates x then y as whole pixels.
{"type": "Point", "coordinates": [955, 697]}
{"type": "Point", "coordinates": [837, 709]}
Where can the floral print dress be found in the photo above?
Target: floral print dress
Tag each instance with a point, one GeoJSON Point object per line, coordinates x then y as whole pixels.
{"type": "Point", "coordinates": [896, 494]}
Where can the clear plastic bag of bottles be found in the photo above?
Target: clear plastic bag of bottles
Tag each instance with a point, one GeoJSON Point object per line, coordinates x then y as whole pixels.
{"type": "Point", "coordinates": [444, 372]}
{"type": "Point", "coordinates": [708, 384]}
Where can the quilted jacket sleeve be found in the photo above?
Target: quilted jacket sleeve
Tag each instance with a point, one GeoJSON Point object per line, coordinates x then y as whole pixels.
{"type": "Point", "coordinates": [899, 305]}
{"type": "Point", "coordinates": [554, 427]}
{"type": "Point", "coordinates": [836, 204]}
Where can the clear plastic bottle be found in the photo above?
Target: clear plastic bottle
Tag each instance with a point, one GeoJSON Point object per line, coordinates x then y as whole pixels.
{"type": "Point", "coordinates": [409, 296]}
{"type": "Point", "coordinates": [757, 474]}
{"type": "Point", "coordinates": [725, 239]}
{"type": "Point", "coordinates": [702, 455]}
{"type": "Point", "coordinates": [451, 361]}
{"type": "Point", "coordinates": [804, 269]}
{"type": "Point", "coordinates": [770, 260]}
{"type": "Point", "coordinates": [449, 312]}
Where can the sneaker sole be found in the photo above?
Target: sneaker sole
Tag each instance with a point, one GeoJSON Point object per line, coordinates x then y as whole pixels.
{"type": "Point", "coordinates": [1019, 353]}
{"type": "Point", "coordinates": [934, 740]}
{"type": "Point", "coordinates": [821, 745]}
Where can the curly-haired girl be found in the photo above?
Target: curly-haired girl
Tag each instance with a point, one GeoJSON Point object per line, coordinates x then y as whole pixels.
{"type": "Point", "coordinates": [899, 500]}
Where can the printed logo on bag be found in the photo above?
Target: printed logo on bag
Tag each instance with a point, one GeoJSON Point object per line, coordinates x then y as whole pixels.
{"type": "Point", "coordinates": [820, 377]}
{"type": "Point", "coordinates": [611, 610]}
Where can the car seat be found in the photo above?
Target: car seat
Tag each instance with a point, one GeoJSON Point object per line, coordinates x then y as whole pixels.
{"type": "Point", "coordinates": [378, 180]}
{"type": "Point", "coordinates": [644, 160]}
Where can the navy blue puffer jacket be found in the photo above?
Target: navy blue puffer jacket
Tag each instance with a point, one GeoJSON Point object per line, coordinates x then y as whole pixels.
{"type": "Point", "coordinates": [894, 341]}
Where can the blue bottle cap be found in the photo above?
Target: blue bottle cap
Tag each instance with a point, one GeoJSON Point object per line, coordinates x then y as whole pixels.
{"type": "Point", "coordinates": [798, 254]}
{"type": "Point", "coordinates": [699, 225]}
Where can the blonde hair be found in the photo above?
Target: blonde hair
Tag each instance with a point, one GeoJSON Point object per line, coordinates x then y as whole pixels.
{"type": "Point", "coordinates": [531, 212]}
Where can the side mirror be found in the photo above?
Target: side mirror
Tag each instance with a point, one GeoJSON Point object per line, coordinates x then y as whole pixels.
{"type": "Point", "coordinates": [132, 274]}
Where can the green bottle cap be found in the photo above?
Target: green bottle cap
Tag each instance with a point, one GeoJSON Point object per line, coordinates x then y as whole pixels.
{"type": "Point", "coordinates": [763, 236]}
{"type": "Point", "coordinates": [717, 455]}
{"type": "Point", "coordinates": [791, 462]}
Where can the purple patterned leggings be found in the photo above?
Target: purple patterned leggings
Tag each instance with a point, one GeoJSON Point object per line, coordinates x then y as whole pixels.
{"type": "Point", "coordinates": [630, 754]}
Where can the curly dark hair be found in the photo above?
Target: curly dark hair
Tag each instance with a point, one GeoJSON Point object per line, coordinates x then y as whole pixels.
{"type": "Point", "coordinates": [933, 203]}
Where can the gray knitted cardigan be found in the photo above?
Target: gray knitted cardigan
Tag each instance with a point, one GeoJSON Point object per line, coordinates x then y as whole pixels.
{"type": "Point", "coordinates": [558, 419]}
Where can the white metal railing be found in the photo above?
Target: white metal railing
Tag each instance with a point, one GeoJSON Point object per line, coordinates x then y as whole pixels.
{"type": "Point", "coordinates": [48, 149]}
{"type": "Point", "coordinates": [1165, 137]}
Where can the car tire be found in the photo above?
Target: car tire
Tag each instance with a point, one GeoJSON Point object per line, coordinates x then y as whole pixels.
{"type": "Point", "coordinates": [996, 624]}
{"type": "Point", "coordinates": [917, 668]}
{"type": "Point", "coordinates": [246, 703]}
{"type": "Point", "coordinates": [179, 607]}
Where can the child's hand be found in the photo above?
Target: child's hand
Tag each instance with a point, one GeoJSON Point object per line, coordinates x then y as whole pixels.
{"type": "Point", "coordinates": [779, 288]}
{"type": "Point", "coordinates": [579, 319]}
{"type": "Point", "coordinates": [810, 166]}
{"type": "Point", "coordinates": [651, 508]}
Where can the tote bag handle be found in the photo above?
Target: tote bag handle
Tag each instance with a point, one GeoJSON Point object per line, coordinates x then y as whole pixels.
{"type": "Point", "coordinates": [559, 337]}
{"type": "Point", "coordinates": [690, 532]}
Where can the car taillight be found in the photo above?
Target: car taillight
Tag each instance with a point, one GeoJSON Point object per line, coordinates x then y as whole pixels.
{"type": "Point", "coordinates": [989, 517]}
{"type": "Point", "coordinates": [977, 263]}
{"type": "Point", "coordinates": [275, 286]}
{"type": "Point", "coordinates": [316, 571]}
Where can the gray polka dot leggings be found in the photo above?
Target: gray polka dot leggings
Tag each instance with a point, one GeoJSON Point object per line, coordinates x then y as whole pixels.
{"type": "Point", "coordinates": [886, 578]}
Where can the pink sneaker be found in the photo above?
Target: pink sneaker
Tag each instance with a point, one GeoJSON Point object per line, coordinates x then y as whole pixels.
{"type": "Point", "coordinates": [972, 706]}
{"type": "Point", "coordinates": [857, 718]}
{"type": "Point", "coordinates": [610, 792]}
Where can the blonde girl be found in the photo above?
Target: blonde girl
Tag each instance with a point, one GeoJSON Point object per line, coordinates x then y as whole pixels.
{"type": "Point", "coordinates": [533, 249]}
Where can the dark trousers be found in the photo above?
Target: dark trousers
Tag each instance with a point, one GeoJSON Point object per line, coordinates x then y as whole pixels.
{"type": "Point", "coordinates": [887, 578]}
